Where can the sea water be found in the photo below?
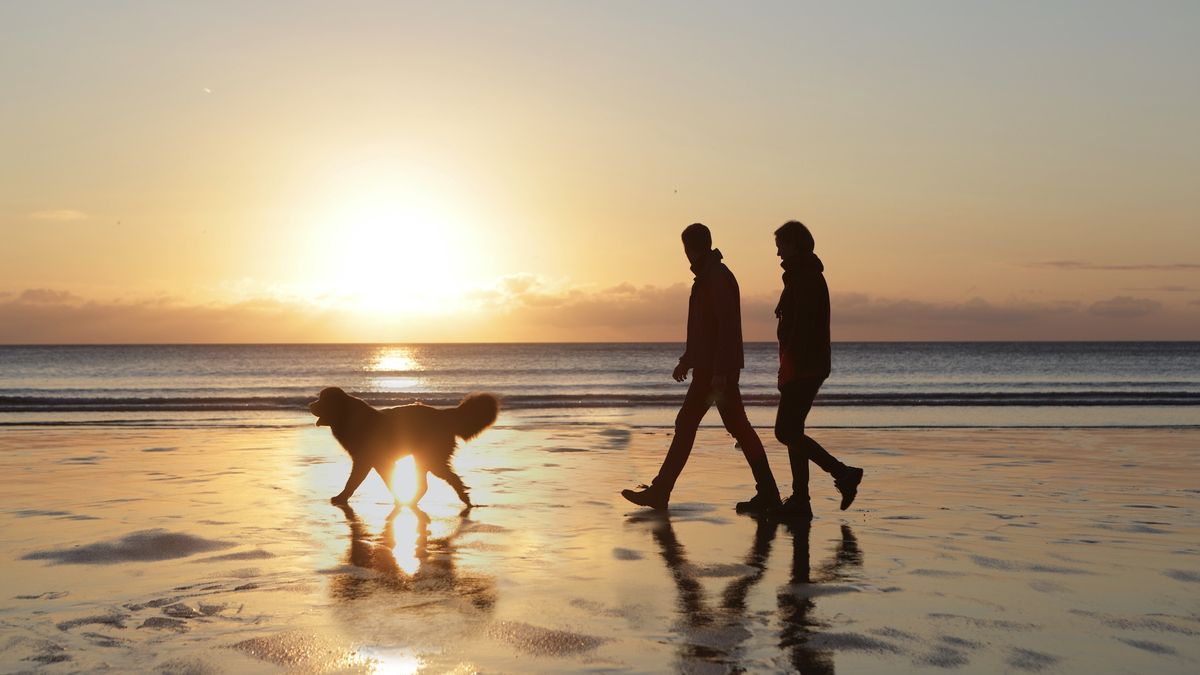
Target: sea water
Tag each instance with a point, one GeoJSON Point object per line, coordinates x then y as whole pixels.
{"type": "Point", "coordinates": [939, 384]}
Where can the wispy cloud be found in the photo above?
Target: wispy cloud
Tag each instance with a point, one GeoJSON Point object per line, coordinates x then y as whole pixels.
{"type": "Point", "coordinates": [59, 215]}
{"type": "Point", "coordinates": [1079, 265]}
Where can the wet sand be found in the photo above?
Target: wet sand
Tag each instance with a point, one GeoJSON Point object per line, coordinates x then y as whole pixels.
{"type": "Point", "coordinates": [216, 550]}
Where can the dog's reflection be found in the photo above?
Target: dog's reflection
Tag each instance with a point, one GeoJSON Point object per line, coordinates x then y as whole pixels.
{"type": "Point", "coordinates": [411, 562]}
{"type": "Point", "coordinates": [716, 635]}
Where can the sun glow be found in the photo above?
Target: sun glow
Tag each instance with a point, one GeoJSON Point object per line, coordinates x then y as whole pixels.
{"type": "Point", "coordinates": [400, 248]}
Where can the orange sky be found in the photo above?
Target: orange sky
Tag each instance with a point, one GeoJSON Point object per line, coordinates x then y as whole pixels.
{"type": "Point", "coordinates": [520, 171]}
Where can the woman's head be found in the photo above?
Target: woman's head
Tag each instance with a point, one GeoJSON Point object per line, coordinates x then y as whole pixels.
{"type": "Point", "coordinates": [792, 238]}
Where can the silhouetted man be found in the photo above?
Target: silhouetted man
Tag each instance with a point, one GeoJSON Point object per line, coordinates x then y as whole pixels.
{"type": "Point", "coordinates": [804, 363]}
{"type": "Point", "coordinates": [714, 354]}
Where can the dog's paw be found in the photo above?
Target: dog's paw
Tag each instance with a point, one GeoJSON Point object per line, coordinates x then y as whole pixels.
{"type": "Point", "coordinates": [339, 500]}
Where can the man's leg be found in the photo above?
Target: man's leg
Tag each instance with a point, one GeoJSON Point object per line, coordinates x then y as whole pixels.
{"type": "Point", "coordinates": [733, 415]}
{"type": "Point", "coordinates": [695, 404]}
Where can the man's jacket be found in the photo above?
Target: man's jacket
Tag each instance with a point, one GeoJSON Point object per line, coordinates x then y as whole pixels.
{"type": "Point", "coordinates": [714, 327]}
{"type": "Point", "coordinates": [803, 314]}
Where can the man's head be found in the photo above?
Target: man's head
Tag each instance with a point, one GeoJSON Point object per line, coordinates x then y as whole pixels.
{"type": "Point", "coordinates": [793, 238]}
{"type": "Point", "coordinates": [697, 242]}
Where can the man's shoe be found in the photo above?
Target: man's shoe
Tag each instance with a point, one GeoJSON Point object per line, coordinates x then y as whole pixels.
{"type": "Point", "coordinates": [847, 484]}
{"type": "Point", "coordinates": [648, 495]}
{"type": "Point", "coordinates": [763, 502]}
{"type": "Point", "coordinates": [794, 510]}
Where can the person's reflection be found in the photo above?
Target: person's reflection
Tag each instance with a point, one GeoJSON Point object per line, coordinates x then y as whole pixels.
{"type": "Point", "coordinates": [710, 635]}
{"type": "Point", "coordinates": [428, 569]}
{"type": "Point", "coordinates": [796, 602]}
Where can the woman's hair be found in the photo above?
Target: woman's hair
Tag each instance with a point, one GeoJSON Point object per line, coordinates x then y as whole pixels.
{"type": "Point", "coordinates": [794, 232]}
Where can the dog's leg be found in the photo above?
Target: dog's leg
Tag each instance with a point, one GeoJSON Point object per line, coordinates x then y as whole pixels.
{"type": "Point", "coordinates": [357, 474]}
{"type": "Point", "coordinates": [447, 474]}
{"type": "Point", "coordinates": [385, 471]}
{"type": "Point", "coordinates": [422, 485]}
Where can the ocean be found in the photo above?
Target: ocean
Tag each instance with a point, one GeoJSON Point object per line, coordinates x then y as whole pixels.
{"type": "Point", "coordinates": [1037, 384]}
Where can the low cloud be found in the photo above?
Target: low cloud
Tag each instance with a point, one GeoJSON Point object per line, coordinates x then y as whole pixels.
{"type": "Point", "coordinates": [1163, 289]}
{"type": "Point", "coordinates": [536, 310]}
{"type": "Point", "coordinates": [1079, 265]}
{"type": "Point", "coordinates": [1125, 307]}
{"type": "Point", "coordinates": [46, 296]}
{"type": "Point", "coordinates": [61, 215]}
{"type": "Point", "coordinates": [530, 308]}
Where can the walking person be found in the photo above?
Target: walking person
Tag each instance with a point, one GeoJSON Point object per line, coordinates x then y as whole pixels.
{"type": "Point", "coordinates": [714, 355]}
{"type": "Point", "coordinates": [804, 364]}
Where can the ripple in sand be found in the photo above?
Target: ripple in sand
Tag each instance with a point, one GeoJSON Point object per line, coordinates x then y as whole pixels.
{"type": "Point", "coordinates": [102, 640]}
{"type": "Point", "coordinates": [1029, 660]}
{"type": "Point", "coordinates": [626, 554]}
{"type": "Point", "coordinates": [189, 666]}
{"type": "Point", "coordinates": [159, 449]}
{"type": "Point", "coordinates": [48, 595]}
{"type": "Point", "coordinates": [1183, 575]}
{"type": "Point", "coordinates": [1148, 646]}
{"type": "Point", "coordinates": [143, 546]}
{"type": "Point", "coordinates": [164, 623]}
{"type": "Point", "coordinates": [115, 620]}
{"type": "Point", "coordinates": [543, 641]}
{"type": "Point", "coordinates": [994, 624]}
{"type": "Point", "coordinates": [942, 657]}
{"type": "Point", "coordinates": [1048, 587]}
{"type": "Point", "coordinates": [181, 611]}
{"type": "Point", "coordinates": [1014, 566]}
{"type": "Point", "coordinates": [617, 438]}
{"type": "Point", "coordinates": [1159, 623]}
{"type": "Point", "coordinates": [256, 554]}
{"type": "Point", "coordinates": [851, 642]}
{"type": "Point", "coordinates": [925, 572]}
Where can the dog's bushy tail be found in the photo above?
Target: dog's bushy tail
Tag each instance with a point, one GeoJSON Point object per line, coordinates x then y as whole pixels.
{"type": "Point", "coordinates": [476, 413]}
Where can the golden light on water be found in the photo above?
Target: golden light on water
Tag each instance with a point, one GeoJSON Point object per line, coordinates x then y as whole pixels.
{"type": "Point", "coordinates": [395, 359]}
{"type": "Point", "coordinates": [388, 362]}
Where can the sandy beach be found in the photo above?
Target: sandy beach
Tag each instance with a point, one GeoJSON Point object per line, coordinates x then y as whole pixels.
{"type": "Point", "coordinates": [975, 550]}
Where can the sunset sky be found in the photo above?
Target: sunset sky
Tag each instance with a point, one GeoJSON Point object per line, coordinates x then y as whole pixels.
{"type": "Point", "coordinates": [307, 172]}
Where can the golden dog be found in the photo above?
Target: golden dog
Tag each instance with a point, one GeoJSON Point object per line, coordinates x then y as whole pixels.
{"type": "Point", "coordinates": [376, 438]}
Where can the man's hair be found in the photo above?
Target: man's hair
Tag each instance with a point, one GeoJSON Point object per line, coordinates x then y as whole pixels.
{"type": "Point", "coordinates": [697, 236]}
{"type": "Point", "coordinates": [794, 232]}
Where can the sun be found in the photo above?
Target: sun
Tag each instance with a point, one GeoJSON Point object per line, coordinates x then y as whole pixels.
{"type": "Point", "coordinates": [396, 257]}
{"type": "Point", "coordinates": [395, 245]}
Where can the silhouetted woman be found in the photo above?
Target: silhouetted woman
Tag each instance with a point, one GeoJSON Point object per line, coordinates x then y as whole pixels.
{"type": "Point", "coordinates": [804, 364]}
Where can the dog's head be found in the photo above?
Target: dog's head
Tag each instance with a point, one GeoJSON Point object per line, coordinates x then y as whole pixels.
{"type": "Point", "coordinates": [330, 406]}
